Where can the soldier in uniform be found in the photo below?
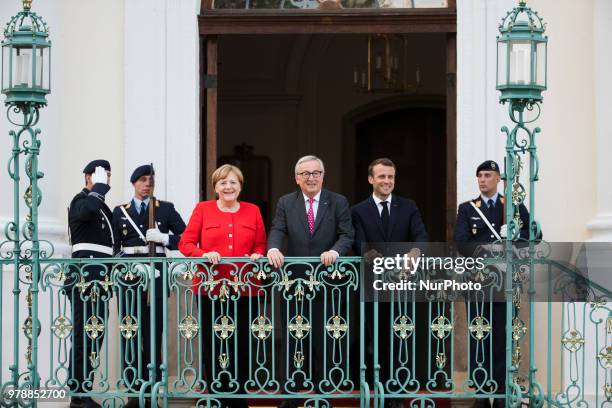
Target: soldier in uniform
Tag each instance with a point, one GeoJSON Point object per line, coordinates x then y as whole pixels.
{"type": "Point", "coordinates": [91, 234]}
{"type": "Point", "coordinates": [130, 223]}
{"type": "Point", "coordinates": [481, 222]}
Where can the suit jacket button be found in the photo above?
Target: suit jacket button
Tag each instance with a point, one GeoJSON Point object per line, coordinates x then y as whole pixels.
{"type": "Point", "coordinates": [493, 224]}
{"type": "Point", "coordinates": [492, 236]}
{"type": "Point", "coordinates": [229, 225]}
{"type": "Point", "coordinates": [229, 246]}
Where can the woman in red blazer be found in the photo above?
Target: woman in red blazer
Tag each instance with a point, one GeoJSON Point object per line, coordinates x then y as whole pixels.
{"type": "Point", "coordinates": [219, 228]}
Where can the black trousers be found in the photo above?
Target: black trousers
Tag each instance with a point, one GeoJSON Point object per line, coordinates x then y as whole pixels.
{"type": "Point", "coordinates": [495, 346]}
{"type": "Point", "coordinates": [220, 381]}
{"type": "Point", "coordinates": [89, 324]}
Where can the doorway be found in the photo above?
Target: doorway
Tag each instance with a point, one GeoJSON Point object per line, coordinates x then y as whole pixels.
{"type": "Point", "coordinates": [284, 96]}
{"type": "Point", "coordinates": [414, 138]}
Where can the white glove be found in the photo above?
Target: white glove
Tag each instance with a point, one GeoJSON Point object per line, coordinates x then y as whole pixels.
{"type": "Point", "coordinates": [99, 176]}
{"type": "Point", "coordinates": [503, 232]}
{"type": "Point", "coordinates": [155, 235]}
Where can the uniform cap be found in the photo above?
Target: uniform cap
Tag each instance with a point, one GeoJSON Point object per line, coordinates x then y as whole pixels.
{"type": "Point", "coordinates": [91, 167]}
{"type": "Point", "coordinates": [488, 165]}
{"type": "Point", "coordinates": [145, 170]}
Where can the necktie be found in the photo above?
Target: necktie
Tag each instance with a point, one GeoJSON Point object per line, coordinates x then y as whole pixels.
{"type": "Point", "coordinates": [490, 203]}
{"type": "Point", "coordinates": [143, 208]}
{"type": "Point", "coordinates": [311, 216]}
{"type": "Point", "coordinates": [384, 215]}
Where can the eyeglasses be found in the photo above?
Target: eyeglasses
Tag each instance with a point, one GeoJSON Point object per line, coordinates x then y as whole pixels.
{"type": "Point", "coordinates": [306, 174]}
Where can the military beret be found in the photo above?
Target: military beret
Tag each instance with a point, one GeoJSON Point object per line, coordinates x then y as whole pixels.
{"type": "Point", "coordinates": [91, 167]}
{"type": "Point", "coordinates": [488, 165]}
{"type": "Point", "coordinates": [145, 170]}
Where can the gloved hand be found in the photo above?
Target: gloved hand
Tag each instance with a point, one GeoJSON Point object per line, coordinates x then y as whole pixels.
{"type": "Point", "coordinates": [99, 176]}
{"type": "Point", "coordinates": [155, 235]}
{"type": "Point", "coordinates": [503, 232]}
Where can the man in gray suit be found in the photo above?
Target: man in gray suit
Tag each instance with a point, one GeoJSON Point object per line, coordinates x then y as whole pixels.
{"type": "Point", "coordinates": [309, 222]}
{"type": "Point", "coordinates": [314, 221]}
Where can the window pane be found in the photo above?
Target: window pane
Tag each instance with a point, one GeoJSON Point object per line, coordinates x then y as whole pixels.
{"type": "Point", "coordinates": [314, 4]}
{"type": "Point", "coordinates": [22, 67]}
{"type": "Point", "coordinates": [520, 62]}
{"type": "Point", "coordinates": [541, 64]}
{"type": "Point", "coordinates": [6, 52]}
{"type": "Point", "coordinates": [502, 63]}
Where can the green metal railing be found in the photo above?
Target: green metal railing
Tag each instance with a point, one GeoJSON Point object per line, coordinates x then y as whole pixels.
{"type": "Point", "coordinates": [304, 337]}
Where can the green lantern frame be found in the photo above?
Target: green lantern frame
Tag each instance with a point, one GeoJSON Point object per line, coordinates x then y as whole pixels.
{"type": "Point", "coordinates": [26, 59]}
{"type": "Point", "coordinates": [522, 55]}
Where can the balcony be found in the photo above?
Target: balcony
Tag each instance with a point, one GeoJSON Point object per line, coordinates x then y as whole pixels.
{"type": "Point", "coordinates": [245, 330]}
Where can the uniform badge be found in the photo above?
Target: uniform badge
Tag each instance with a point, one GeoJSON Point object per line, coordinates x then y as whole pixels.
{"type": "Point", "coordinates": [124, 230]}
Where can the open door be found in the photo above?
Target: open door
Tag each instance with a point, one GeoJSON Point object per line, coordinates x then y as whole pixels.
{"type": "Point", "coordinates": [209, 98]}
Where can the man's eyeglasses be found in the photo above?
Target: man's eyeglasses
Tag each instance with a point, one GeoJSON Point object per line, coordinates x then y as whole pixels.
{"type": "Point", "coordinates": [306, 174]}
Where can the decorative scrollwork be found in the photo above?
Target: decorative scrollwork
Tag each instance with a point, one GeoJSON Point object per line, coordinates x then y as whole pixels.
{"type": "Point", "coordinates": [337, 326]}
{"type": "Point", "coordinates": [189, 327]}
{"type": "Point", "coordinates": [61, 327]}
{"type": "Point", "coordinates": [441, 327]}
{"type": "Point", "coordinates": [299, 327]}
{"type": "Point", "coordinates": [225, 328]}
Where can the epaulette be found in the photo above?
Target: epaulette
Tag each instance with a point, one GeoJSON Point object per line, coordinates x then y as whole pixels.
{"type": "Point", "coordinates": [477, 202]}
{"type": "Point", "coordinates": [502, 199]}
{"type": "Point", "coordinates": [128, 205]}
{"type": "Point", "coordinates": [157, 202]}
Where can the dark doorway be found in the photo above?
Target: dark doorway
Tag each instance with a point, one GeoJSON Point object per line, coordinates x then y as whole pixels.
{"type": "Point", "coordinates": [415, 140]}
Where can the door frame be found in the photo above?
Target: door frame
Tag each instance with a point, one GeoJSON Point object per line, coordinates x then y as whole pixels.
{"type": "Point", "coordinates": [213, 23]}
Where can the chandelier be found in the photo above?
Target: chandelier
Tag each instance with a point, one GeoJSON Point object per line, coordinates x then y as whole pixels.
{"type": "Point", "coordinates": [386, 70]}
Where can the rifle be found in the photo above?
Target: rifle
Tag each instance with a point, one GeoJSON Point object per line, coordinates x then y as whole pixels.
{"type": "Point", "coordinates": [152, 208]}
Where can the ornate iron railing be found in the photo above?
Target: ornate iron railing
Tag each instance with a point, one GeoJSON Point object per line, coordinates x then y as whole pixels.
{"type": "Point", "coordinates": [299, 332]}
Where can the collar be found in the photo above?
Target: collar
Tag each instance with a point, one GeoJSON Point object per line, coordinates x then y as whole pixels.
{"type": "Point", "coordinates": [137, 203]}
{"type": "Point", "coordinates": [316, 198]}
{"type": "Point", "coordinates": [494, 197]}
{"type": "Point", "coordinates": [377, 200]}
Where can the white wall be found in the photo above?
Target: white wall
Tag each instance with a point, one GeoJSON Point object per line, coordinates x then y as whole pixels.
{"type": "Point", "coordinates": [162, 97]}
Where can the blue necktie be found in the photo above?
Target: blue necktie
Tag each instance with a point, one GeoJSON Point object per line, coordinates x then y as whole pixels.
{"type": "Point", "coordinates": [143, 208]}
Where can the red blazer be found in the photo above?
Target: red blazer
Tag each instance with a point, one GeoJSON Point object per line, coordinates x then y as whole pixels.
{"type": "Point", "coordinates": [230, 234]}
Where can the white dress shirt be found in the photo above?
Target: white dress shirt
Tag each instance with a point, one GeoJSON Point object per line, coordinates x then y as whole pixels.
{"type": "Point", "coordinates": [378, 202]}
{"type": "Point", "coordinates": [315, 204]}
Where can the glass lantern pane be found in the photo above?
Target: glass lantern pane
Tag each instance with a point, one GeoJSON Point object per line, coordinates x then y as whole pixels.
{"type": "Point", "coordinates": [502, 63]}
{"type": "Point", "coordinates": [6, 67]}
{"type": "Point", "coordinates": [541, 64]}
{"type": "Point", "coordinates": [520, 63]}
{"type": "Point", "coordinates": [22, 67]}
{"type": "Point", "coordinates": [41, 63]}
{"type": "Point", "coordinates": [46, 80]}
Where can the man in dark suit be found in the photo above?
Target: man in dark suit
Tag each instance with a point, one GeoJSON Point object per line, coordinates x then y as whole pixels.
{"type": "Point", "coordinates": [131, 225]}
{"type": "Point", "coordinates": [383, 217]}
{"type": "Point", "coordinates": [386, 218]}
{"type": "Point", "coordinates": [309, 222]}
{"type": "Point", "coordinates": [91, 236]}
{"type": "Point", "coordinates": [479, 223]}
